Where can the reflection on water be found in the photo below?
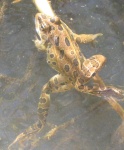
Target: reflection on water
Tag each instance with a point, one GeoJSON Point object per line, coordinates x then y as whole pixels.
{"type": "Point", "coordinates": [23, 71]}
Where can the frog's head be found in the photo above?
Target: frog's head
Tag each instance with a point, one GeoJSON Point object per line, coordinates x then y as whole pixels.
{"type": "Point", "coordinates": [42, 28]}
{"type": "Point", "coordinates": [43, 23]}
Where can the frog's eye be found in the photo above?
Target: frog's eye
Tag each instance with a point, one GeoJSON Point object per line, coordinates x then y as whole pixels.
{"type": "Point", "coordinates": [55, 19]}
{"type": "Point", "coordinates": [42, 24]}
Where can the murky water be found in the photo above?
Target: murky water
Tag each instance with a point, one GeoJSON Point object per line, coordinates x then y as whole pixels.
{"type": "Point", "coordinates": [23, 71]}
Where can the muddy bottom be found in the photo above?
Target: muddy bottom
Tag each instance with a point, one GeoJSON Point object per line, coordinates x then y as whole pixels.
{"type": "Point", "coordinates": [90, 122]}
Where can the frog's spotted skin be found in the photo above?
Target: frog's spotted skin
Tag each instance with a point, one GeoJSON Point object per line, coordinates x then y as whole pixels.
{"type": "Point", "coordinates": [63, 55]}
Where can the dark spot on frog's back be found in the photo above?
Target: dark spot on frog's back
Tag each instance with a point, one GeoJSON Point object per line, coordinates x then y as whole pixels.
{"type": "Point", "coordinates": [75, 74]}
{"type": "Point", "coordinates": [50, 85]}
{"type": "Point", "coordinates": [72, 52]}
{"type": "Point", "coordinates": [48, 62]}
{"type": "Point", "coordinates": [70, 79]}
{"type": "Point", "coordinates": [51, 55]}
{"type": "Point", "coordinates": [56, 40]}
{"type": "Point", "coordinates": [54, 63]}
{"type": "Point", "coordinates": [60, 28]}
{"type": "Point", "coordinates": [67, 41]}
{"type": "Point", "coordinates": [66, 67]}
{"type": "Point", "coordinates": [81, 81]}
{"type": "Point", "coordinates": [55, 80]}
{"type": "Point", "coordinates": [75, 62]}
{"type": "Point", "coordinates": [63, 83]}
{"type": "Point", "coordinates": [61, 54]}
{"type": "Point", "coordinates": [52, 27]}
{"type": "Point", "coordinates": [81, 87]}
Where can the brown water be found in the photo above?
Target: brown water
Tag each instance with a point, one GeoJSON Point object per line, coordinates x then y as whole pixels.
{"type": "Point", "coordinates": [23, 72]}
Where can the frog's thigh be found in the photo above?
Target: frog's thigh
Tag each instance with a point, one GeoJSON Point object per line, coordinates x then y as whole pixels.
{"type": "Point", "coordinates": [86, 38]}
{"type": "Point", "coordinates": [58, 83]}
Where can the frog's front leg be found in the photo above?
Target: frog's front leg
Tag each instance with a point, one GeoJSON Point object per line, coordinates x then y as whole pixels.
{"type": "Point", "coordinates": [41, 42]}
{"type": "Point", "coordinates": [86, 38]}
{"type": "Point", "coordinates": [56, 84]}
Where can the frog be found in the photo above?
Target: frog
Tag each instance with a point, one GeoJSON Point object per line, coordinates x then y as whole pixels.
{"type": "Point", "coordinates": [74, 70]}
{"type": "Point", "coordinates": [64, 55]}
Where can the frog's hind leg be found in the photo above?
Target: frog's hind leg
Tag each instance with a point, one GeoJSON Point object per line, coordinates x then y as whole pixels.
{"type": "Point", "coordinates": [56, 84]}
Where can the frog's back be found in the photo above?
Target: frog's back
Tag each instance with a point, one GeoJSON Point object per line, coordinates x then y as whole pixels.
{"type": "Point", "coordinates": [64, 53]}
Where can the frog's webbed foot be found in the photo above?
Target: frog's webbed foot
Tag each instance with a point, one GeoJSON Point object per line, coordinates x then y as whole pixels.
{"type": "Point", "coordinates": [112, 95]}
{"type": "Point", "coordinates": [27, 138]}
{"type": "Point", "coordinates": [107, 91]}
{"type": "Point", "coordinates": [51, 133]}
{"type": "Point", "coordinates": [86, 38]}
{"type": "Point", "coordinates": [111, 91]}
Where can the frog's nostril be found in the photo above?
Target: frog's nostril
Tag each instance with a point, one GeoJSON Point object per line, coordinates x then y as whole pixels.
{"type": "Point", "coordinates": [42, 25]}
